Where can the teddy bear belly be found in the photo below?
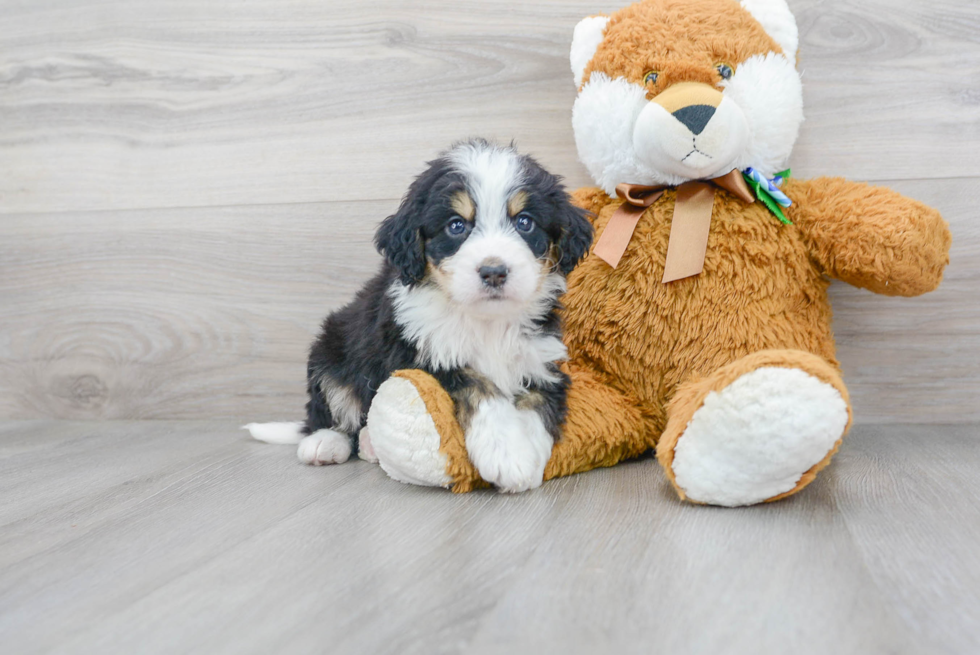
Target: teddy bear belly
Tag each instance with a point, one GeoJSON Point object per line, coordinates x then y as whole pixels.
{"type": "Point", "coordinates": [759, 290]}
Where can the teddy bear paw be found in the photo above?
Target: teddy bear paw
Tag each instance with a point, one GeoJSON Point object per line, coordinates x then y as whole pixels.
{"type": "Point", "coordinates": [403, 438]}
{"type": "Point", "coordinates": [754, 439]}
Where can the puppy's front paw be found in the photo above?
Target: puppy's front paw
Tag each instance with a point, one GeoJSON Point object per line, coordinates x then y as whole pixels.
{"type": "Point", "coordinates": [324, 447]}
{"type": "Point", "coordinates": [509, 447]}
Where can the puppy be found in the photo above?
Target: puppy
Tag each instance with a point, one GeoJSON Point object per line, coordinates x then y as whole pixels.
{"type": "Point", "coordinates": [475, 262]}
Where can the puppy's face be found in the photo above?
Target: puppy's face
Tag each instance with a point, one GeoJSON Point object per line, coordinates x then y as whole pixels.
{"type": "Point", "coordinates": [487, 226]}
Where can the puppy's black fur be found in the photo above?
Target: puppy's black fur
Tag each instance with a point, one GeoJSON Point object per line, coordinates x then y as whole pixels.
{"type": "Point", "coordinates": [362, 344]}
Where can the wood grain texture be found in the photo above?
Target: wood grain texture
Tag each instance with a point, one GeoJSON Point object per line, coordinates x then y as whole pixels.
{"type": "Point", "coordinates": [207, 313]}
{"type": "Point", "coordinates": [187, 188]}
{"type": "Point", "coordinates": [164, 537]}
{"type": "Point", "coordinates": [141, 103]}
{"type": "Point", "coordinates": [174, 313]}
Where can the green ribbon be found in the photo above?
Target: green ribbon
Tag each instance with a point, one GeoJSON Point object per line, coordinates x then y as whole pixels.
{"type": "Point", "coordinates": [762, 193]}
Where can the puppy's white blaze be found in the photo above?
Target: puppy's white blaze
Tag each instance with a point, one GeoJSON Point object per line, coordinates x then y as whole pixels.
{"type": "Point", "coordinates": [277, 433]}
{"type": "Point", "coordinates": [492, 174]}
{"type": "Point", "coordinates": [324, 447]}
{"type": "Point", "coordinates": [507, 350]}
{"type": "Point", "coordinates": [509, 447]}
{"type": "Point", "coordinates": [503, 244]}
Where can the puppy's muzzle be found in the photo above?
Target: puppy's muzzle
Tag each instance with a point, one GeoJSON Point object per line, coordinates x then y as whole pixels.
{"type": "Point", "coordinates": [493, 273]}
{"type": "Point", "coordinates": [691, 103]}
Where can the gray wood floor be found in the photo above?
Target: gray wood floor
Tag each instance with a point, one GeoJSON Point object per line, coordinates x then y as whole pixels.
{"type": "Point", "coordinates": [187, 188]}
{"type": "Point", "coordinates": [185, 537]}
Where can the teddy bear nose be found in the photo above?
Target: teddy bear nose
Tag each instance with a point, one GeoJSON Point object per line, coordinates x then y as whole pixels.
{"type": "Point", "coordinates": [693, 104]}
{"type": "Point", "coordinates": [695, 117]}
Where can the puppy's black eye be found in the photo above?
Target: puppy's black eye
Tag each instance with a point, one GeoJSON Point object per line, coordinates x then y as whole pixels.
{"type": "Point", "coordinates": [456, 226]}
{"type": "Point", "coordinates": [524, 223]}
{"type": "Point", "coordinates": [725, 71]}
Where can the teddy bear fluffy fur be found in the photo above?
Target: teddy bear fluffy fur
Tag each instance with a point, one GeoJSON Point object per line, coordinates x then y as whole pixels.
{"type": "Point", "coordinates": [722, 372]}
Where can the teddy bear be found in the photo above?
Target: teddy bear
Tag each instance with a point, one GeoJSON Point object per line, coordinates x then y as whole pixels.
{"type": "Point", "coordinates": [699, 325]}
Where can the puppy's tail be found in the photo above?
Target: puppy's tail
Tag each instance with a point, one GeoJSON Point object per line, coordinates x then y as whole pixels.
{"type": "Point", "coordinates": [279, 433]}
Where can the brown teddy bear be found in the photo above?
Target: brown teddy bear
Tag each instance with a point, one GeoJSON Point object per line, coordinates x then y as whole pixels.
{"type": "Point", "coordinates": [699, 324]}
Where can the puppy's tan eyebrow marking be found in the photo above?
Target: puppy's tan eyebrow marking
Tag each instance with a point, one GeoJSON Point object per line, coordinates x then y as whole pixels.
{"type": "Point", "coordinates": [516, 203]}
{"type": "Point", "coordinates": [462, 204]}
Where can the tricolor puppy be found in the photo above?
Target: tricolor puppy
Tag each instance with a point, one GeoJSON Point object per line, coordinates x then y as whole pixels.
{"type": "Point", "coordinates": [475, 261]}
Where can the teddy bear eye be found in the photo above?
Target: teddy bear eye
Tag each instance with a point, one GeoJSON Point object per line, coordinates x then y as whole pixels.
{"type": "Point", "coordinates": [651, 77]}
{"type": "Point", "coordinates": [725, 71]}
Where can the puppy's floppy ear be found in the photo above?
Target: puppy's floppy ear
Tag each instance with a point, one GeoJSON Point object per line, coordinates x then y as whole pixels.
{"type": "Point", "coordinates": [399, 239]}
{"type": "Point", "coordinates": [574, 236]}
{"type": "Point", "coordinates": [575, 239]}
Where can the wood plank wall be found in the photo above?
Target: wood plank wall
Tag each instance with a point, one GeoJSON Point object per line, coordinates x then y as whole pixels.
{"type": "Point", "coordinates": [187, 187]}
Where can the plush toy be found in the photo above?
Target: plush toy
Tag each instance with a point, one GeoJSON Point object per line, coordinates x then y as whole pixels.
{"type": "Point", "coordinates": [699, 324]}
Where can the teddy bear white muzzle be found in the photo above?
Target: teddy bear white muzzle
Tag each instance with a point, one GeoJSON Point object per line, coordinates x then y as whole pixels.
{"type": "Point", "coordinates": [691, 130]}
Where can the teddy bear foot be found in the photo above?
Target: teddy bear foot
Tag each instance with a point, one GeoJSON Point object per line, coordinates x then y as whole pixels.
{"type": "Point", "coordinates": [757, 430]}
{"type": "Point", "coordinates": [365, 449]}
{"type": "Point", "coordinates": [403, 437]}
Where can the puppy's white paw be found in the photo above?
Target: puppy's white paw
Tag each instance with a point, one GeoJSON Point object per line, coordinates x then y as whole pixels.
{"type": "Point", "coordinates": [324, 447]}
{"type": "Point", "coordinates": [365, 449]}
{"type": "Point", "coordinates": [509, 447]}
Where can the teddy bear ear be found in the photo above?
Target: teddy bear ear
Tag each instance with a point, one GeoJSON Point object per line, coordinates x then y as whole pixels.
{"type": "Point", "coordinates": [585, 41]}
{"type": "Point", "coordinates": [778, 22]}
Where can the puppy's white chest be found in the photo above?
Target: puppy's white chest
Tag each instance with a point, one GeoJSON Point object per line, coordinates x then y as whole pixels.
{"type": "Point", "coordinates": [508, 352]}
{"type": "Point", "coordinates": [512, 361]}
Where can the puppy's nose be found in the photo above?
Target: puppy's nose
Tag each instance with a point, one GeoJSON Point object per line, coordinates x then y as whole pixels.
{"type": "Point", "coordinates": [695, 117]}
{"type": "Point", "coordinates": [493, 275]}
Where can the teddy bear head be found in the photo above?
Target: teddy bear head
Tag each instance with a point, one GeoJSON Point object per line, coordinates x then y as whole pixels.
{"type": "Point", "coordinates": [678, 90]}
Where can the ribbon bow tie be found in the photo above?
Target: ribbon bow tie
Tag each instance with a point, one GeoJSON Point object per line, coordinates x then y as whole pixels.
{"type": "Point", "coordinates": [688, 229]}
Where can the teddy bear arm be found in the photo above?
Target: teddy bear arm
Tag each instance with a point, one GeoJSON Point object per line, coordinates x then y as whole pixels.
{"type": "Point", "coordinates": [591, 199]}
{"type": "Point", "coordinates": [603, 426]}
{"type": "Point", "coordinates": [871, 237]}
{"type": "Point", "coordinates": [417, 438]}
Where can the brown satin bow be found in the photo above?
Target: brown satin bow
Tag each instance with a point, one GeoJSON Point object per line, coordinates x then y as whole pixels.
{"type": "Point", "coordinates": [689, 225]}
